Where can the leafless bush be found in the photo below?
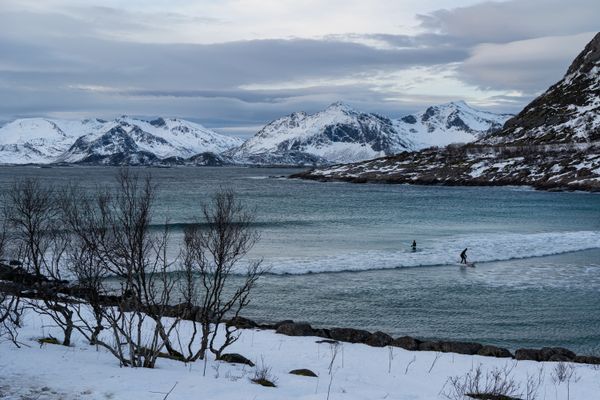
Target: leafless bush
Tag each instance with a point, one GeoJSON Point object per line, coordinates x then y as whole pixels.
{"type": "Point", "coordinates": [212, 250]}
{"type": "Point", "coordinates": [263, 375]}
{"type": "Point", "coordinates": [37, 238]}
{"type": "Point", "coordinates": [564, 373]}
{"type": "Point", "coordinates": [112, 236]}
{"type": "Point", "coordinates": [123, 284]}
{"type": "Point", "coordinates": [497, 382]}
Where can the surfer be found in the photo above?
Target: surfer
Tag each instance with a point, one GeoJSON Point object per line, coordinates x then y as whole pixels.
{"type": "Point", "coordinates": [414, 245]}
{"type": "Point", "coordinates": [463, 257]}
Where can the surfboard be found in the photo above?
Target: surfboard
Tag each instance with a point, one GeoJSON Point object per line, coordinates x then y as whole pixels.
{"type": "Point", "coordinates": [469, 265]}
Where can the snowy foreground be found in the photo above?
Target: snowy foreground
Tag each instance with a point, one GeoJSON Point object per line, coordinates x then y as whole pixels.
{"type": "Point", "coordinates": [358, 372]}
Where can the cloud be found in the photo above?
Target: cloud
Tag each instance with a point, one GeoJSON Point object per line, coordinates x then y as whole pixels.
{"type": "Point", "coordinates": [508, 21]}
{"type": "Point", "coordinates": [193, 60]}
{"type": "Point", "coordinates": [526, 65]}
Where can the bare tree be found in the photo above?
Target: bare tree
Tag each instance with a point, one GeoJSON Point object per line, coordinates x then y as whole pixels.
{"type": "Point", "coordinates": [113, 236]}
{"type": "Point", "coordinates": [37, 238]}
{"type": "Point", "coordinates": [10, 304]}
{"type": "Point", "coordinates": [212, 253]}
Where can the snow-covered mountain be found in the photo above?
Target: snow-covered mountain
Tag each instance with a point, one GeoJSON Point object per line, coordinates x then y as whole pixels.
{"type": "Point", "coordinates": [336, 134]}
{"type": "Point", "coordinates": [124, 140]}
{"type": "Point", "coordinates": [340, 134]}
{"type": "Point", "coordinates": [454, 122]}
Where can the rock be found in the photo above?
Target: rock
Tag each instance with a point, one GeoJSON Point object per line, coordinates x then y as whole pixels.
{"type": "Point", "coordinates": [324, 333]}
{"type": "Point", "coordinates": [296, 329]}
{"type": "Point", "coordinates": [528, 354]}
{"type": "Point", "coordinates": [303, 372]}
{"type": "Point", "coordinates": [379, 339]}
{"type": "Point", "coordinates": [286, 321]}
{"type": "Point", "coordinates": [493, 351]}
{"type": "Point", "coordinates": [235, 358]}
{"type": "Point", "coordinates": [490, 396]}
{"type": "Point", "coordinates": [327, 341]}
{"type": "Point", "coordinates": [460, 347]}
{"type": "Point", "coordinates": [556, 354]}
{"type": "Point", "coordinates": [263, 382]}
{"type": "Point", "coordinates": [430, 346]}
{"type": "Point", "coordinates": [406, 342]}
{"type": "Point", "coordinates": [587, 360]}
{"type": "Point", "coordinates": [242, 323]}
{"type": "Point", "coordinates": [48, 340]}
{"type": "Point", "coordinates": [349, 335]}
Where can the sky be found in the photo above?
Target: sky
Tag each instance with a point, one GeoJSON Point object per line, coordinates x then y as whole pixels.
{"type": "Point", "coordinates": [234, 65]}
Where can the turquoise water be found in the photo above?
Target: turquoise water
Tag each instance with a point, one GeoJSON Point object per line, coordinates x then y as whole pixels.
{"type": "Point", "coordinates": [537, 280]}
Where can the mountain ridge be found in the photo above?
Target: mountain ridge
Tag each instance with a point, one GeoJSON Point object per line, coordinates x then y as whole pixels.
{"type": "Point", "coordinates": [552, 144]}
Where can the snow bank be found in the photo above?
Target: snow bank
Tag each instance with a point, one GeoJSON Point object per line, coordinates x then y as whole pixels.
{"type": "Point", "coordinates": [358, 372]}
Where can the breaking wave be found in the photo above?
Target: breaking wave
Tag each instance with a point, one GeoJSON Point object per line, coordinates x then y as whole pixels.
{"type": "Point", "coordinates": [482, 248]}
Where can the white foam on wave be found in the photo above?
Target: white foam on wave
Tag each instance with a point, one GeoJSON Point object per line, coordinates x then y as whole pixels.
{"type": "Point", "coordinates": [482, 248]}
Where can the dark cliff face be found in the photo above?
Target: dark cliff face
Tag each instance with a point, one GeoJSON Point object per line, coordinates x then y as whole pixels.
{"type": "Point", "coordinates": [557, 116]}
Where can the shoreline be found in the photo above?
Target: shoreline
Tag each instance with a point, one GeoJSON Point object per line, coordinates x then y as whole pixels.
{"type": "Point", "coordinates": [382, 339]}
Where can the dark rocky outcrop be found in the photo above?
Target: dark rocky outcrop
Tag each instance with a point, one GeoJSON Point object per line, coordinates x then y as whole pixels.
{"type": "Point", "coordinates": [379, 339]}
{"type": "Point", "coordinates": [556, 354]}
{"type": "Point", "coordinates": [430, 346]}
{"type": "Point", "coordinates": [593, 360]}
{"type": "Point", "coordinates": [493, 351]}
{"type": "Point", "coordinates": [406, 342]}
{"type": "Point", "coordinates": [528, 354]}
{"type": "Point", "coordinates": [235, 358]}
{"type": "Point", "coordinates": [242, 323]}
{"type": "Point", "coordinates": [303, 372]}
{"type": "Point", "coordinates": [461, 347]}
{"type": "Point", "coordinates": [296, 329]}
{"type": "Point", "coordinates": [349, 335]}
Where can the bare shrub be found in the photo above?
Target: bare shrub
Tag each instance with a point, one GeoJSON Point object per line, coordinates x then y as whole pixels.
{"type": "Point", "coordinates": [37, 238]}
{"type": "Point", "coordinates": [476, 383]}
{"type": "Point", "coordinates": [112, 236]}
{"type": "Point", "coordinates": [263, 375]}
{"type": "Point", "coordinates": [564, 373]}
{"type": "Point", "coordinates": [212, 251]}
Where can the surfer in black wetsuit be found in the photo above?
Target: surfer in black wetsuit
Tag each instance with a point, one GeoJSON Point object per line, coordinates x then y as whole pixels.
{"type": "Point", "coordinates": [463, 257]}
{"type": "Point", "coordinates": [414, 245]}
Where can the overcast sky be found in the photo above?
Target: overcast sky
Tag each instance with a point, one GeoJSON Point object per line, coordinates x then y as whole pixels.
{"type": "Point", "coordinates": [234, 65]}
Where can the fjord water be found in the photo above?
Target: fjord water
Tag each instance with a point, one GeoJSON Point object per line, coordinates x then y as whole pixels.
{"type": "Point", "coordinates": [537, 280]}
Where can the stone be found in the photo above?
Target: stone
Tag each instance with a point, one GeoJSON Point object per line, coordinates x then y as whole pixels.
{"type": "Point", "coordinates": [349, 335]}
{"type": "Point", "coordinates": [406, 342]}
{"type": "Point", "coordinates": [528, 354]}
{"type": "Point", "coordinates": [430, 346]}
{"type": "Point", "coordinates": [235, 358]}
{"type": "Point", "coordinates": [493, 351]}
{"type": "Point", "coordinates": [303, 372]}
{"type": "Point", "coordinates": [379, 339]}
{"type": "Point", "coordinates": [296, 329]}
{"type": "Point", "coordinates": [242, 323]}
{"type": "Point", "coordinates": [556, 354]}
{"type": "Point", "coordinates": [460, 347]}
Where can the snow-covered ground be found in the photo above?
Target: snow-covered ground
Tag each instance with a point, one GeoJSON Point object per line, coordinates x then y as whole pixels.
{"type": "Point", "coordinates": [357, 372]}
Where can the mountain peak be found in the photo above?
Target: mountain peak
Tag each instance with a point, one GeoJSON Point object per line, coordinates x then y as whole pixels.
{"type": "Point", "coordinates": [339, 106]}
{"type": "Point", "coordinates": [588, 58]}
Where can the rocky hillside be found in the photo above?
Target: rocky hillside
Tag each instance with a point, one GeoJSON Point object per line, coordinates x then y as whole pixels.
{"type": "Point", "coordinates": [123, 141]}
{"type": "Point", "coordinates": [551, 144]}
